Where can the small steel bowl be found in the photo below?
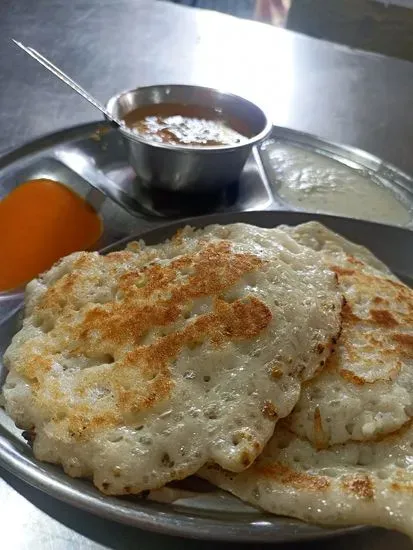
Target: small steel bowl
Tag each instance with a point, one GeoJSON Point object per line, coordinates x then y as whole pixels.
{"type": "Point", "coordinates": [189, 168]}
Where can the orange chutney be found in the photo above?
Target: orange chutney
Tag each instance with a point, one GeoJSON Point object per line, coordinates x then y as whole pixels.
{"type": "Point", "coordinates": [41, 221]}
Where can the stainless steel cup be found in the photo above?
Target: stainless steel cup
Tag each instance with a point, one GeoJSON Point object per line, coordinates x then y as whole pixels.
{"type": "Point", "coordinates": [189, 168]}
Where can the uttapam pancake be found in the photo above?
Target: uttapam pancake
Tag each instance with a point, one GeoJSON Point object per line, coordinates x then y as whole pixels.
{"type": "Point", "coordinates": [136, 368]}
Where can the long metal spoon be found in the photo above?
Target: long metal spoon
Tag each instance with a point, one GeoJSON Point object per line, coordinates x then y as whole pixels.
{"type": "Point", "coordinates": [67, 80]}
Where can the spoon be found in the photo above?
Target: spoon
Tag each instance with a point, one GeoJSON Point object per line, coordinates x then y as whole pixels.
{"type": "Point", "coordinates": [67, 80]}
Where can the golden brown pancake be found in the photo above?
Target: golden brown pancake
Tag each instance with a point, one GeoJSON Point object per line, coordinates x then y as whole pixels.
{"type": "Point", "coordinates": [138, 367]}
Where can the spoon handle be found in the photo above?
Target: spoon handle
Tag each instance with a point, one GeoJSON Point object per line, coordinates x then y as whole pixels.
{"type": "Point", "coordinates": [66, 79]}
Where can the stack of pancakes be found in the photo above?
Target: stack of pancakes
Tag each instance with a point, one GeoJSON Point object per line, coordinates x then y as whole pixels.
{"type": "Point", "coordinates": [276, 363]}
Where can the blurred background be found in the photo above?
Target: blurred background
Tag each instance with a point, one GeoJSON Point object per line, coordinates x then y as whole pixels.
{"type": "Point", "coordinates": [380, 26]}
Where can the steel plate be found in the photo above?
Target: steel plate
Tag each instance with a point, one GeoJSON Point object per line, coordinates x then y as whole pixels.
{"type": "Point", "coordinates": [210, 515]}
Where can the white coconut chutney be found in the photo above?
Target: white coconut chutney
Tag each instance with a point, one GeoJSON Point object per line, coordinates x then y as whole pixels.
{"type": "Point", "coordinates": [310, 181]}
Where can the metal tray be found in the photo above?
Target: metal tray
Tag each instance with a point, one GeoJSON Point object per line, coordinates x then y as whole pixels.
{"type": "Point", "coordinates": [211, 515]}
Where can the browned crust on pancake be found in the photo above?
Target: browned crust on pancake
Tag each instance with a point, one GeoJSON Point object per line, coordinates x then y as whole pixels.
{"type": "Point", "coordinates": [383, 318]}
{"type": "Point", "coordinates": [269, 410]}
{"type": "Point", "coordinates": [341, 271]}
{"type": "Point", "coordinates": [280, 473]}
{"type": "Point", "coordinates": [405, 342]}
{"type": "Point", "coordinates": [402, 487]}
{"type": "Point", "coordinates": [349, 376]}
{"type": "Point", "coordinates": [360, 485]}
{"type": "Point", "coordinates": [320, 437]}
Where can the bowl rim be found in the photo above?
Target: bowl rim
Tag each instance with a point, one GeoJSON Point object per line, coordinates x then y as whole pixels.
{"type": "Point", "coordinates": [250, 142]}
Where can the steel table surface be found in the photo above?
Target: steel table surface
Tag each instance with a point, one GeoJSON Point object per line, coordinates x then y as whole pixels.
{"type": "Point", "coordinates": [351, 97]}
